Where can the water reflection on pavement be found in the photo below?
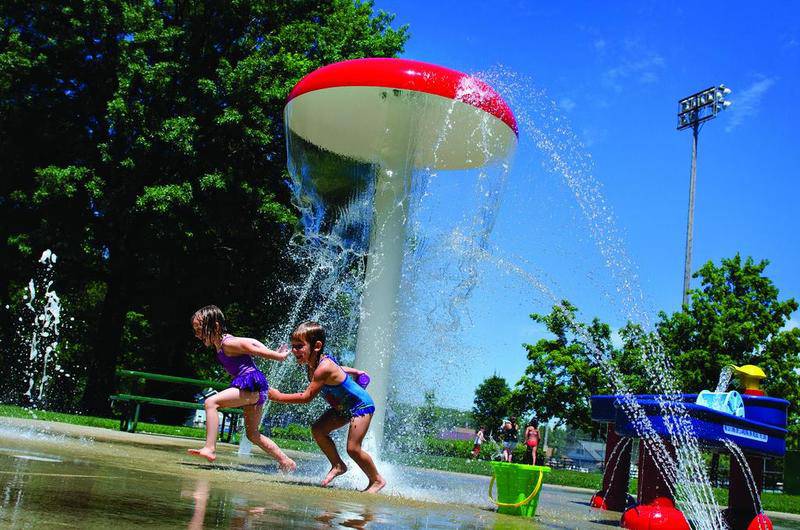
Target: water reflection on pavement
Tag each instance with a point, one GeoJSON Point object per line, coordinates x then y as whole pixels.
{"type": "Point", "coordinates": [58, 482]}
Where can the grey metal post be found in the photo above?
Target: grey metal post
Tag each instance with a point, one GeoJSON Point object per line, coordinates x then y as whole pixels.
{"type": "Point", "coordinates": [687, 269]}
{"type": "Point", "coordinates": [694, 111]}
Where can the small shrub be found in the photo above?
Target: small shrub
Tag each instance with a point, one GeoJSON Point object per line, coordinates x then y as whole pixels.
{"type": "Point", "coordinates": [430, 445]}
{"type": "Point", "coordinates": [455, 448]}
{"type": "Point", "coordinates": [518, 454]}
{"type": "Point", "coordinates": [292, 432]}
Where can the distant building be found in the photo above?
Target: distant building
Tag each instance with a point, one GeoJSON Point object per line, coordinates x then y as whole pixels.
{"type": "Point", "coordinates": [458, 433]}
{"type": "Point", "coordinates": [586, 454]}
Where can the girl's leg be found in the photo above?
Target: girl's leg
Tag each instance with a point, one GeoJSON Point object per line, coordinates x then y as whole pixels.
{"type": "Point", "coordinates": [252, 422]}
{"type": "Point", "coordinates": [321, 429]}
{"type": "Point", "coordinates": [230, 397]}
{"type": "Point", "coordinates": [200, 495]}
{"type": "Point", "coordinates": [358, 429]}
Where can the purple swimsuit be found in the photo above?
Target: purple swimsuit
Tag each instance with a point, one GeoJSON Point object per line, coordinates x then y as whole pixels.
{"type": "Point", "coordinates": [246, 375]}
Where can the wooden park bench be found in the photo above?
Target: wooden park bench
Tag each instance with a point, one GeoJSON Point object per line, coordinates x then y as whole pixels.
{"type": "Point", "coordinates": [132, 403]}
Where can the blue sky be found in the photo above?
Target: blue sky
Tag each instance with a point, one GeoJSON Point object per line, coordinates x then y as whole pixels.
{"type": "Point", "coordinates": [614, 73]}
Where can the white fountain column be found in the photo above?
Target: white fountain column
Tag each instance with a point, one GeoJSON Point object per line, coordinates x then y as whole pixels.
{"type": "Point", "coordinates": [379, 305]}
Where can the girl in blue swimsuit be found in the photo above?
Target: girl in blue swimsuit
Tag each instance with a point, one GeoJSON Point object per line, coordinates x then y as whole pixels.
{"type": "Point", "coordinates": [350, 403]}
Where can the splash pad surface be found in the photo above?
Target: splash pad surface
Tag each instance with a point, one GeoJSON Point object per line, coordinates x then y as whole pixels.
{"type": "Point", "coordinates": [59, 475]}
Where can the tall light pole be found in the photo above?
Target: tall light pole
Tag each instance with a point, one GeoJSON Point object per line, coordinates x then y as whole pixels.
{"type": "Point", "coordinates": [693, 112]}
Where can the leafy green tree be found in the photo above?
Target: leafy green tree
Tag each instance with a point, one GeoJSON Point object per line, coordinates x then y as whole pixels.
{"type": "Point", "coordinates": [428, 414]}
{"type": "Point", "coordinates": [145, 146]}
{"type": "Point", "coordinates": [563, 372]}
{"type": "Point", "coordinates": [735, 317]}
{"type": "Point", "coordinates": [491, 404]}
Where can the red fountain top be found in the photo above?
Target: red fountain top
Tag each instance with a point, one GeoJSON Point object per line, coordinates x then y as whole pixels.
{"type": "Point", "coordinates": [406, 74]}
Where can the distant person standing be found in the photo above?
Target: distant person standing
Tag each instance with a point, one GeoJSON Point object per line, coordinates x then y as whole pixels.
{"type": "Point", "coordinates": [510, 436]}
{"type": "Point", "coordinates": [531, 442]}
{"type": "Point", "coordinates": [480, 437]}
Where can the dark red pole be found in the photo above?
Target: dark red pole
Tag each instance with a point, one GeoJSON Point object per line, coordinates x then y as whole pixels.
{"type": "Point", "coordinates": [742, 508]}
{"type": "Point", "coordinates": [656, 508]}
{"type": "Point", "coordinates": [652, 483]}
{"type": "Point", "coordinates": [617, 472]}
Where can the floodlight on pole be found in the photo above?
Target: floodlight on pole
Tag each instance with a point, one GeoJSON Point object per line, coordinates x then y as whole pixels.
{"type": "Point", "coordinates": [693, 111]}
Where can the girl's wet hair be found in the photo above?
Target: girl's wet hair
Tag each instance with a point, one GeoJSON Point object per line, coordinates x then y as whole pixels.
{"type": "Point", "coordinates": [212, 321]}
{"type": "Point", "coordinates": [310, 332]}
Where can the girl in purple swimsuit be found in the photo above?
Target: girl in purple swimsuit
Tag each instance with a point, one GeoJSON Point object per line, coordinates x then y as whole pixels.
{"type": "Point", "coordinates": [248, 387]}
{"type": "Point", "coordinates": [350, 403]}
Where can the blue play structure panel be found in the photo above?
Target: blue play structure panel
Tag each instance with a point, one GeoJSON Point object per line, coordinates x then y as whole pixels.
{"type": "Point", "coordinates": [604, 407]}
{"type": "Point", "coordinates": [763, 409]}
{"type": "Point", "coordinates": [761, 431]}
{"type": "Point", "coordinates": [769, 410]}
{"type": "Point", "coordinates": [712, 427]}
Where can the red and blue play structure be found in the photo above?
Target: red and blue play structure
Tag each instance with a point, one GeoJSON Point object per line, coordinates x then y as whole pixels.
{"type": "Point", "coordinates": [760, 433]}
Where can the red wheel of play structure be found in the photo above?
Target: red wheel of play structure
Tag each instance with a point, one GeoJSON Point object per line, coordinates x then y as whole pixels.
{"type": "Point", "coordinates": [598, 501]}
{"type": "Point", "coordinates": [660, 514]}
{"type": "Point", "coordinates": [760, 522]}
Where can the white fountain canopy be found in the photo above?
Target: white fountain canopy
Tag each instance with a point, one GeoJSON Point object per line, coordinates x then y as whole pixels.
{"type": "Point", "coordinates": [377, 109]}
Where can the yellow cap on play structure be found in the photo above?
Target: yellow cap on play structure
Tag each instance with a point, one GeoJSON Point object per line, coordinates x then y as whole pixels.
{"type": "Point", "coordinates": [751, 377]}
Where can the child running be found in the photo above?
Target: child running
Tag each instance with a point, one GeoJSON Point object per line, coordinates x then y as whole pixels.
{"type": "Point", "coordinates": [248, 387]}
{"type": "Point", "coordinates": [349, 403]}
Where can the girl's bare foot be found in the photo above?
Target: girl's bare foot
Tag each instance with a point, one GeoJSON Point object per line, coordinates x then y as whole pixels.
{"type": "Point", "coordinates": [206, 453]}
{"type": "Point", "coordinates": [376, 485]}
{"type": "Point", "coordinates": [287, 466]}
{"type": "Point", "coordinates": [336, 470]}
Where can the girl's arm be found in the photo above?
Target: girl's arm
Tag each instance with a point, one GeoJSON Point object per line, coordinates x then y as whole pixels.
{"type": "Point", "coordinates": [317, 382]}
{"type": "Point", "coordinates": [298, 398]}
{"type": "Point", "coordinates": [244, 346]}
{"type": "Point", "coordinates": [352, 371]}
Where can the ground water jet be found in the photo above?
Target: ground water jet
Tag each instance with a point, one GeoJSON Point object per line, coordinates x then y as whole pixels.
{"type": "Point", "coordinates": [396, 115]}
{"type": "Point", "coordinates": [41, 336]}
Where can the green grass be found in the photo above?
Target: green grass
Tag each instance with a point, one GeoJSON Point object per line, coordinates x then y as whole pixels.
{"type": "Point", "coordinates": [776, 502]}
{"type": "Point", "coordinates": [562, 477]}
{"type": "Point", "coordinates": [297, 445]}
{"type": "Point", "coordinates": [94, 421]}
{"type": "Point", "coordinates": [443, 463]}
{"type": "Point", "coordinates": [13, 411]}
{"type": "Point", "coordinates": [780, 502]}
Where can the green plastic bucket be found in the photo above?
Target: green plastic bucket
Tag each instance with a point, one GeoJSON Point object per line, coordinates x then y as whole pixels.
{"type": "Point", "coordinates": [518, 488]}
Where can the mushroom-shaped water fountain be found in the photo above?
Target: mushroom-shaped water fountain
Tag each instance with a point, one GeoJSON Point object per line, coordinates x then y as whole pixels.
{"type": "Point", "coordinates": [398, 115]}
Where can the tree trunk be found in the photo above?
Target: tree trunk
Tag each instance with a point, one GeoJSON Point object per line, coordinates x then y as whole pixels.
{"type": "Point", "coordinates": [101, 376]}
